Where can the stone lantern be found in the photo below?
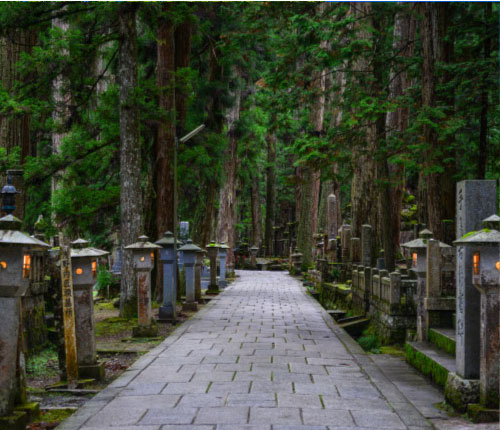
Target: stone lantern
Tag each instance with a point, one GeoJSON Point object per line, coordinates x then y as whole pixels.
{"type": "Point", "coordinates": [222, 262]}
{"type": "Point", "coordinates": [143, 259]}
{"type": "Point", "coordinates": [189, 251]}
{"type": "Point", "coordinates": [84, 260]}
{"type": "Point", "coordinates": [200, 255]}
{"type": "Point", "coordinates": [297, 261]}
{"type": "Point", "coordinates": [253, 256]}
{"type": "Point", "coordinates": [485, 267]}
{"type": "Point", "coordinates": [16, 273]}
{"type": "Point", "coordinates": [418, 251]}
{"type": "Point", "coordinates": [167, 311]}
{"type": "Point", "coordinates": [213, 250]}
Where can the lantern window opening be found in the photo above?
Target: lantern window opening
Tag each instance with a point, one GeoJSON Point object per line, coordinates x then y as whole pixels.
{"type": "Point", "coordinates": [152, 257]}
{"type": "Point", "coordinates": [94, 268]}
{"type": "Point", "coordinates": [414, 258]}
{"type": "Point", "coordinates": [475, 263]}
{"type": "Point", "coordinates": [3, 265]}
{"type": "Point", "coordinates": [143, 259]}
{"type": "Point", "coordinates": [79, 271]}
{"type": "Point", "coordinates": [497, 265]}
{"type": "Point", "coordinates": [26, 266]}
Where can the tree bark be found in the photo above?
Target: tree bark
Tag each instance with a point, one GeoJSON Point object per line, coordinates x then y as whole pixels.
{"type": "Point", "coordinates": [305, 226]}
{"type": "Point", "coordinates": [130, 155]}
{"type": "Point", "coordinates": [256, 212]}
{"type": "Point", "coordinates": [270, 190]}
{"type": "Point", "coordinates": [227, 197]}
{"type": "Point", "coordinates": [483, 131]}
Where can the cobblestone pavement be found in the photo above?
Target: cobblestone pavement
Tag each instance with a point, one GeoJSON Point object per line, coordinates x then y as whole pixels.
{"type": "Point", "coordinates": [262, 356]}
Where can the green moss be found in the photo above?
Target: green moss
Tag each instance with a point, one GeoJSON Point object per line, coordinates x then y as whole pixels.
{"type": "Point", "coordinates": [130, 308]}
{"type": "Point", "coordinates": [425, 365]}
{"type": "Point", "coordinates": [395, 350]}
{"type": "Point", "coordinates": [442, 342]}
{"type": "Point", "coordinates": [115, 325]}
{"type": "Point", "coordinates": [55, 415]}
{"type": "Point", "coordinates": [105, 306]}
{"type": "Point", "coordinates": [43, 364]}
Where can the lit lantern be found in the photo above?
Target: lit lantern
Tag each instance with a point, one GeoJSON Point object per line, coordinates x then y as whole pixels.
{"type": "Point", "coordinates": [84, 266]}
{"type": "Point", "coordinates": [485, 251]}
{"type": "Point", "coordinates": [16, 251]}
{"type": "Point", "coordinates": [414, 259]}
{"type": "Point", "coordinates": [485, 247]}
{"type": "Point", "coordinates": [143, 252]}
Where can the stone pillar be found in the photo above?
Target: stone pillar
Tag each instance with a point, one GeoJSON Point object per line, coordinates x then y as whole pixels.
{"type": "Point", "coordinates": [253, 257]}
{"type": "Point", "coordinates": [395, 293]}
{"type": "Point", "coordinates": [213, 250]}
{"type": "Point", "coordinates": [332, 250]}
{"type": "Point", "coordinates": [345, 242]}
{"type": "Point", "coordinates": [355, 250]}
{"type": "Point", "coordinates": [332, 227]}
{"type": "Point", "coordinates": [9, 309]}
{"type": "Point", "coordinates": [222, 265]}
{"type": "Point", "coordinates": [432, 283]}
{"type": "Point", "coordinates": [476, 200]}
{"type": "Point", "coordinates": [490, 348]}
{"type": "Point", "coordinates": [197, 276]}
{"type": "Point", "coordinates": [366, 245]}
{"type": "Point", "coordinates": [145, 326]}
{"type": "Point", "coordinates": [190, 304]}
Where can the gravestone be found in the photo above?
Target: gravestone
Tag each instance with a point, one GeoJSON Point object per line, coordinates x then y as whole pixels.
{"type": "Point", "coordinates": [332, 227]}
{"type": "Point", "coordinates": [476, 200]}
{"type": "Point", "coordinates": [355, 250]}
{"type": "Point", "coordinates": [366, 245]}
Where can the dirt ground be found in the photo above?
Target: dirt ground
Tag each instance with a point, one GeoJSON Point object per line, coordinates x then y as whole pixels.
{"type": "Point", "coordinates": [115, 347]}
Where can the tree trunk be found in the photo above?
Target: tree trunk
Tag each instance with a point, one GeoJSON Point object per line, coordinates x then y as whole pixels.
{"type": "Point", "coordinates": [483, 131]}
{"type": "Point", "coordinates": [130, 155]}
{"type": "Point", "coordinates": [256, 214]}
{"type": "Point", "coordinates": [305, 226]}
{"type": "Point", "coordinates": [397, 120]}
{"type": "Point", "coordinates": [227, 197]}
{"type": "Point", "coordinates": [270, 190]}
{"type": "Point", "coordinates": [363, 191]}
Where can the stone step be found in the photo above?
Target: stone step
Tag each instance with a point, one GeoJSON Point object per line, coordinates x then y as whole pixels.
{"type": "Point", "coordinates": [444, 339]}
{"type": "Point", "coordinates": [430, 360]}
{"type": "Point", "coordinates": [355, 327]}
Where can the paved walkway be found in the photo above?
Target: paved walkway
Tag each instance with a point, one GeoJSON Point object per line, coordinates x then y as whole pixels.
{"type": "Point", "coordinates": [262, 356]}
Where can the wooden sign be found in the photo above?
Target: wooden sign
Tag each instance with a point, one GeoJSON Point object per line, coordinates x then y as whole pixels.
{"type": "Point", "coordinates": [68, 314]}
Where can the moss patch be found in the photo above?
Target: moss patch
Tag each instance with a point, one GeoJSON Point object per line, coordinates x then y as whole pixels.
{"type": "Point", "coordinates": [395, 350]}
{"type": "Point", "coordinates": [43, 364]}
{"type": "Point", "coordinates": [442, 342]}
{"type": "Point", "coordinates": [425, 365]}
{"type": "Point", "coordinates": [54, 415]}
{"type": "Point", "coordinates": [114, 326]}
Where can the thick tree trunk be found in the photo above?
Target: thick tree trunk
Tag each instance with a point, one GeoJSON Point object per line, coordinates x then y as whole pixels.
{"type": "Point", "coordinates": [130, 155]}
{"type": "Point", "coordinates": [440, 186]}
{"type": "Point", "coordinates": [60, 114]}
{"type": "Point", "coordinates": [305, 226]}
{"type": "Point", "coordinates": [270, 190]}
{"type": "Point", "coordinates": [15, 131]}
{"type": "Point", "coordinates": [256, 212]}
{"type": "Point", "coordinates": [227, 197]}
{"type": "Point", "coordinates": [483, 131]}
{"type": "Point", "coordinates": [363, 190]}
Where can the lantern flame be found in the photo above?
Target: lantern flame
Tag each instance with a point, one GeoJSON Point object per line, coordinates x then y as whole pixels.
{"type": "Point", "coordinates": [475, 263]}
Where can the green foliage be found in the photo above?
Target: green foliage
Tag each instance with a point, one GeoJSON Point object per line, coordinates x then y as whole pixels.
{"type": "Point", "coordinates": [43, 364]}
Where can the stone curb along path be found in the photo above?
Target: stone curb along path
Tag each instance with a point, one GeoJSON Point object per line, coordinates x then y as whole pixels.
{"type": "Point", "coordinates": [263, 355]}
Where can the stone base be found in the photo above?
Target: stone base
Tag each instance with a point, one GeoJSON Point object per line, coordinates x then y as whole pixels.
{"type": "Point", "coordinates": [92, 371]}
{"type": "Point", "coordinates": [18, 420]}
{"type": "Point", "coordinates": [222, 283]}
{"type": "Point", "coordinates": [192, 307]}
{"type": "Point", "coordinates": [150, 331]}
{"type": "Point", "coordinates": [460, 392]}
{"type": "Point", "coordinates": [213, 289]}
{"type": "Point", "coordinates": [479, 414]}
{"type": "Point", "coordinates": [166, 315]}
{"type": "Point", "coordinates": [32, 410]}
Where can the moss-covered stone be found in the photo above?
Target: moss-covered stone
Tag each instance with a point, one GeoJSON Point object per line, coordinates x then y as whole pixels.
{"type": "Point", "coordinates": [426, 365]}
{"type": "Point", "coordinates": [32, 410]}
{"type": "Point", "coordinates": [460, 392]}
{"type": "Point", "coordinates": [442, 342]}
{"type": "Point", "coordinates": [479, 414]}
{"type": "Point", "coordinates": [18, 420]}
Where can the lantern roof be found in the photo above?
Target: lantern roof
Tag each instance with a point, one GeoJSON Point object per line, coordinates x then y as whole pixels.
{"type": "Point", "coordinates": [79, 243]}
{"type": "Point", "coordinates": [421, 242]}
{"type": "Point", "coordinates": [212, 244]}
{"type": "Point", "coordinates": [143, 243]}
{"type": "Point", "coordinates": [10, 234]}
{"type": "Point", "coordinates": [485, 237]}
{"type": "Point", "coordinates": [223, 245]}
{"type": "Point", "coordinates": [80, 248]}
{"type": "Point", "coordinates": [167, 239]}
{"type": "Point", "coordinates": [189, 246]}
{"type": "Point", "coordinates": [254, 248]}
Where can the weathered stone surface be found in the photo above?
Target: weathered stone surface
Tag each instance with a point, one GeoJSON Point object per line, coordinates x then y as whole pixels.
{"type": "Point", "coordinates": [476, 200]}
{"type": "Point", "coordinates": [459, 392]}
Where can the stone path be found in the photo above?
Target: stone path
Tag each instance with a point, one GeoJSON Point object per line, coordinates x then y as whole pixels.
{"type": "Point", "coordinates": [262, 356]}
